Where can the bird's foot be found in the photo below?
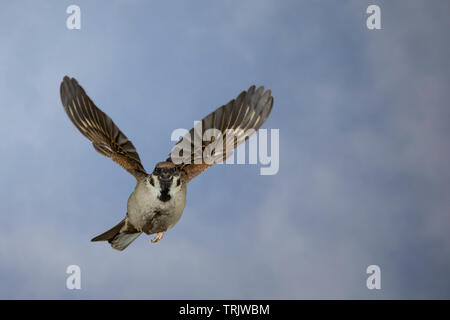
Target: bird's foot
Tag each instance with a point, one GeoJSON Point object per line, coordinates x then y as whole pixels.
{"type": "Point", "coordinates": [158, 237]}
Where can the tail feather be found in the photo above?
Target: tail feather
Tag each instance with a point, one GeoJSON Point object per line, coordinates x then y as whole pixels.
{"type": "Point", "coordinates": [119, 236]}
{"type": "Point", "coordinates": [111, 233]}
{"type": "Point", "coordinates": [123, 240]}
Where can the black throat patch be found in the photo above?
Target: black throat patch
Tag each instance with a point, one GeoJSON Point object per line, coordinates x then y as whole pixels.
{"type": "Point", "coordinates": [165, 188]}
{"type": "Point", "coordinates": [165, 196]}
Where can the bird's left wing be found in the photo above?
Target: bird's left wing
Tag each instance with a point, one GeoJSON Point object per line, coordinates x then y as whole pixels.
{"type": "Point", "coordinates": [98, 127]}
{"type": "Point", "coordinates": [214, 139]}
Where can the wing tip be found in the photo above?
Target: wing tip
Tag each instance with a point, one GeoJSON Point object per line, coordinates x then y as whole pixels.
{"type": "Point", "coordinates": [69, 89]}
{"type": "Point", "coordinates": [261, 90]}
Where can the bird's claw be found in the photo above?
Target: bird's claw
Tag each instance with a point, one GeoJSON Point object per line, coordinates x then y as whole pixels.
{"type": "Point", "coordinates": [158, 237]}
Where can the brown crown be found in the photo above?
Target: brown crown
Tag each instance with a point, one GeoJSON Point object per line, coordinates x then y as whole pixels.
{"type": "Point", "coordinates": [166, 165]}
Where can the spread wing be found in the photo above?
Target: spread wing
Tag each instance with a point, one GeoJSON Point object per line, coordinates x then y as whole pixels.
{"type": "Point", "coordinates": [95, 125]}
{"type": "Point", "coordinates": [231, 125]}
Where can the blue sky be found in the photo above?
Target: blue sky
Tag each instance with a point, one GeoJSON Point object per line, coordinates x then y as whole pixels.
{"type": "Point", "coordinates": [364, 158]}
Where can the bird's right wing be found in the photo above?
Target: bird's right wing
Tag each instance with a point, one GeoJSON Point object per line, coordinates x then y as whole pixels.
{"type": "Point", "coordinates": [95, 125]}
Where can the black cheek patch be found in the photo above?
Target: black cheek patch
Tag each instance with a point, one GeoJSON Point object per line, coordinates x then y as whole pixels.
{"type": "Point", "coordinates": [152, 182]}
{"type": "Point", "coordinates": [178, 182]}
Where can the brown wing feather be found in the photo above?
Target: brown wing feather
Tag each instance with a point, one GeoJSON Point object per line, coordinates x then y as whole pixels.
{"type": "Point", "coordinates": [95, 125]}
{"type": "Point", "coordinates": [249, 110]}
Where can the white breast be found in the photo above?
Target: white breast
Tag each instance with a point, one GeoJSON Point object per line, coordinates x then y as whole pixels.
{"type": "Point", "coordinates": [144, 202]}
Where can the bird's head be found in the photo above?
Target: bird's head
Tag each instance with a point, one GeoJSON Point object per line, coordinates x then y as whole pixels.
{"type": "Point", "coordinates": [166, 178]}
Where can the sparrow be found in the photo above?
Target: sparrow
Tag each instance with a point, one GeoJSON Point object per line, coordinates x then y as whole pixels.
{"type": "Point", "coordinates": [159, 198]}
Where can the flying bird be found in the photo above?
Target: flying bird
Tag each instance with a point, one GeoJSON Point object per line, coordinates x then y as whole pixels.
{"type": "Point", "coordinates": [158, 199]}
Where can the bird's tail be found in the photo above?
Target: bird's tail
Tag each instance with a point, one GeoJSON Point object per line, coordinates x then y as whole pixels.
{"type": "Point", "coordinates": [119, 236]}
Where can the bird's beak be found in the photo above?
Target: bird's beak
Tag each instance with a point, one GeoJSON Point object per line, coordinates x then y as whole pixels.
{"type": "Point", "coordinates": [165, 183]}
